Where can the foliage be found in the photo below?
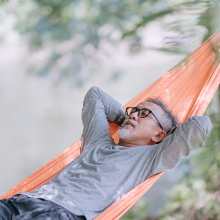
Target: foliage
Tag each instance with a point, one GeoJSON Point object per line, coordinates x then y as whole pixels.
{"type": "Point", "coordinates": [69, 38]}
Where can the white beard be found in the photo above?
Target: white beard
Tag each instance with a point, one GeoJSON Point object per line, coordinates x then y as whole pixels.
{"type": "Point", "coordinates": [124, 133]}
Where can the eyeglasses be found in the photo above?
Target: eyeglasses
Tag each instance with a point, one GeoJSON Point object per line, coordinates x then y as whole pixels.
{"type": "Point", "coordinates": [142, 113]}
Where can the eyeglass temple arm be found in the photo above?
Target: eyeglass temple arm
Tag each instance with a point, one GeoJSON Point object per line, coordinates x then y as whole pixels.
{"type": "Point", "coordinates": [157, 120]}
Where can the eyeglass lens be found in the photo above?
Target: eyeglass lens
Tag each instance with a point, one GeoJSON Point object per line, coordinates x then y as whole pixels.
{"type": "Point", "coordinates": [142, 112]}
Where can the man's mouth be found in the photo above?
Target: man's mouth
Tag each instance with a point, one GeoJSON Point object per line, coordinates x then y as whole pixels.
{"type": "Point", "coordinates": [129, 122]}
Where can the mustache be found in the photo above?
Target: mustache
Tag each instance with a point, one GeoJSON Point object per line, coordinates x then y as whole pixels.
{"type": "Point", "coordinates": [131, 122]}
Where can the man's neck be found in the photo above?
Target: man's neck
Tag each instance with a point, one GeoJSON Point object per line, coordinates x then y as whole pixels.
{"type": "Point", "coordinates": [126, 143]}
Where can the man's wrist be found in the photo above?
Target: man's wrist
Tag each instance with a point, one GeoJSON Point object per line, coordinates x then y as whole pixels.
{"type": "Point", "coordinates": [120, 117]}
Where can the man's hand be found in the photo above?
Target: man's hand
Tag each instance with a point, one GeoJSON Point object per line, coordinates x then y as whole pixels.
{"type": "Point", "coordinates": [119, 120]}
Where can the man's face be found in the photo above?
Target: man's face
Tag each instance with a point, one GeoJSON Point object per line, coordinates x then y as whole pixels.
{"type": "Point", "coordinates": [139, 131]}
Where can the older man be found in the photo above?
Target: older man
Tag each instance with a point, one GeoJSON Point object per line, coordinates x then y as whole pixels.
{"type": "Point", "coordinates": [106, 171]}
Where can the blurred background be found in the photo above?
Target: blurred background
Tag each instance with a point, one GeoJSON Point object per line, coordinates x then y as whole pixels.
{"type": "Point", "coordinates": [53, 51]}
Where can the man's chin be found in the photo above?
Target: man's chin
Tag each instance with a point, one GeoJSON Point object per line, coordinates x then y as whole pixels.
{"type": "Point", "coordinates": [124, 133]}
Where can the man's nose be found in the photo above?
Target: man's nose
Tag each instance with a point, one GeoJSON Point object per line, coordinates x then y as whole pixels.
{"type": "Point", "coordinates": [134, 116]}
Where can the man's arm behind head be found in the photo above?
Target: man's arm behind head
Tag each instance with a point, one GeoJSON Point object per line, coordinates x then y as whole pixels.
{"type": "Point", "coordinates": [190, 135]}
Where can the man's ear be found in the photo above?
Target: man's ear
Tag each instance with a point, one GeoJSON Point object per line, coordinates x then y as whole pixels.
{"type": "Point", "coordinates": [159, 136]}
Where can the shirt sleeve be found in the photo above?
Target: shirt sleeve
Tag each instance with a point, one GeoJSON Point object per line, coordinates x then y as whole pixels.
{"type": "Point", "coordinates": [98, 109]}
{"type": "Point", "coordinates": [190, 135]}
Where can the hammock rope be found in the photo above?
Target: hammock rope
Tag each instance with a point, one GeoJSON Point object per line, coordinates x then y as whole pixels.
{"type": "Point", "coordinates": [187, 89]}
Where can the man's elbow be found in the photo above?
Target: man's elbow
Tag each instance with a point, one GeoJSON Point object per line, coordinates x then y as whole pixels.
{"type": "Point", "coordinates": [204, 123]}
{"type": "Point", "coordinates": [92, 92]}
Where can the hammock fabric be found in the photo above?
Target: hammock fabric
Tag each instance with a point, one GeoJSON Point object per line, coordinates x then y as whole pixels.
{"type": "Point", "coordinates": [187, 89]}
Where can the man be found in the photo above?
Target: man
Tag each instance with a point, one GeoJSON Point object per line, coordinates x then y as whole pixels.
{"type": "Point", "coordinates": [106, 171]}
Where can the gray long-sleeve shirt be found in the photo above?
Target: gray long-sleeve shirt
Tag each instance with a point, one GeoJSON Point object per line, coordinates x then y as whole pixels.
{"type": "Point", "coordinates": [104, 172]}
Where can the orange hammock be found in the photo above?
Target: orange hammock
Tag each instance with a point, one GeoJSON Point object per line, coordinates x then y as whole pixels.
{"type": "Point", "coordinates": [187, 89]}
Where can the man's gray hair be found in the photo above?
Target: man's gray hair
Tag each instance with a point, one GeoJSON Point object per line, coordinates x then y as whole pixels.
{"type": "Point", "coordinates": [169, 121]}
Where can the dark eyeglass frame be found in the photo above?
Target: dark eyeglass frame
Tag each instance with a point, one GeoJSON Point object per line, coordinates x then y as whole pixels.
{"type": "Point", "coordinates": [138, 110]}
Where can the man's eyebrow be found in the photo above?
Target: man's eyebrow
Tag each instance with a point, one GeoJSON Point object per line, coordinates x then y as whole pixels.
{"type": "Point", "coordinates": [139, 106]}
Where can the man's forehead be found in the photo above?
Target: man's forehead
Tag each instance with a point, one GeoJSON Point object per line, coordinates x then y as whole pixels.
{"type": "Point", "coordinates": [150, 105]}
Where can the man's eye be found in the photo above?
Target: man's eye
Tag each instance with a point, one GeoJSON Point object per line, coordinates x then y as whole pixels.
{"type": "Point", "coordinates": [144, 112]}
{"type": "Point", "coordinates": [133, 110]}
